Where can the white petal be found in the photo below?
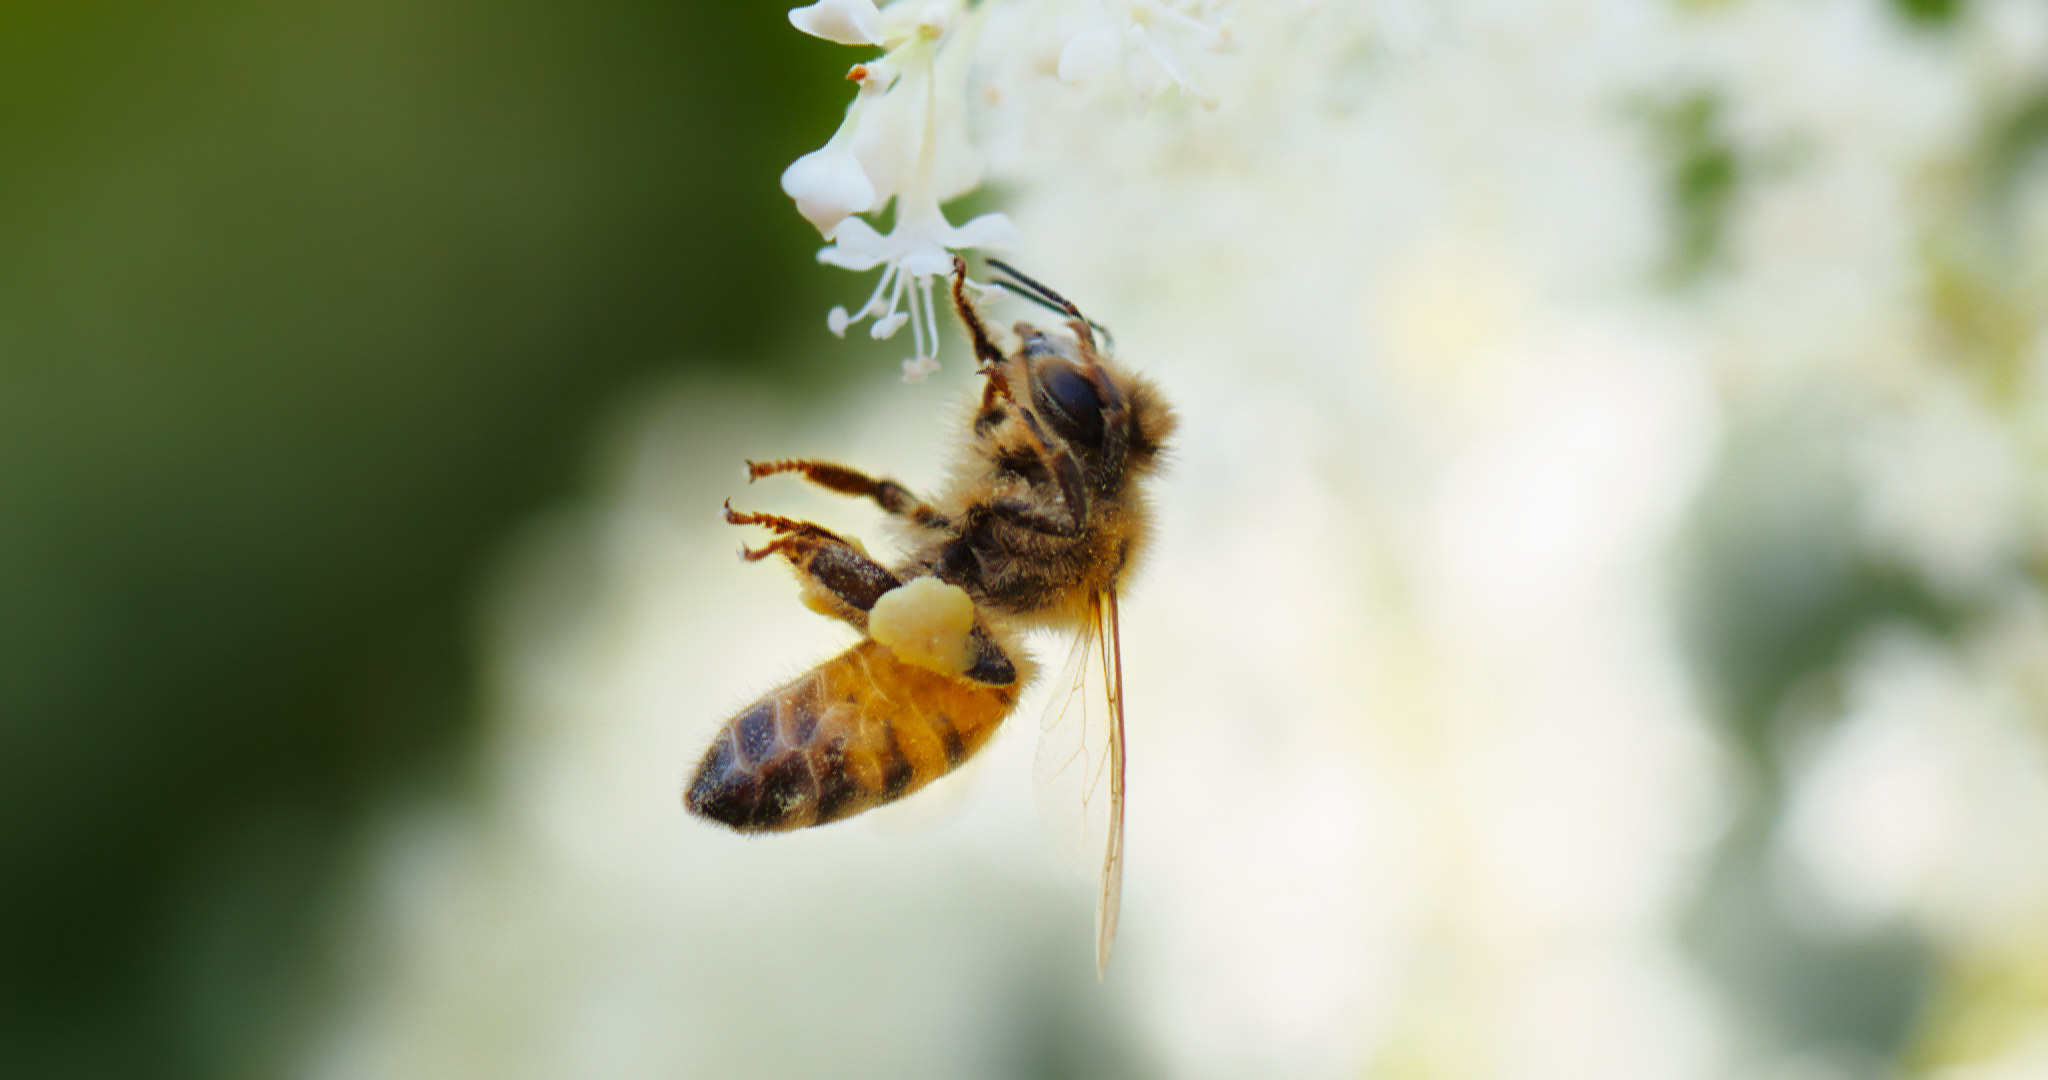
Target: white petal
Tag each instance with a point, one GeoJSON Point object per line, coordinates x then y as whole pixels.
{"type": "Point", "coordinates": [886, 328]}
{"type": "Point", "coordinates": [856, 246]}
{"type": "Point", "coordinates": [925, 260]}
{"type": "Point", "coordinates": [890, 133]}
{"type": "Point", "coordinates": [986, 231]}
{"type": "Point", "coordinates": [848, 22]}
{"type": "Point", "coordinates": [1091, 54]}
{"type": "Point", "coordinates": [828, 185]}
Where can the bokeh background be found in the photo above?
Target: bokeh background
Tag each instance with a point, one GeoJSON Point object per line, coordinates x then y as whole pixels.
{"type": "Point", "coordinates": [303, 310]}
{"type": "Point", "coordinates": [1597, 627]}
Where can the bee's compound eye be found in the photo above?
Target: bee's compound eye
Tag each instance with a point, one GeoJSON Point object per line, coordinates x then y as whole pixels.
{"type": "Point", "coordinates": [1076, 411]}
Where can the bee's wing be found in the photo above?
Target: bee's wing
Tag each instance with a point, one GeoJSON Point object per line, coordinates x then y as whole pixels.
{"type": "Point", "coordinates": [1079, 778]}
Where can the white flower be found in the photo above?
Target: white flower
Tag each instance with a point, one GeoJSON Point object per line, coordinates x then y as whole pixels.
{"type": "Point", "coordinates": [912, 255]}
{"type": "Point", "coordinates": [904, 140]}
{"type": "Point", "coordinates": [832, 182]}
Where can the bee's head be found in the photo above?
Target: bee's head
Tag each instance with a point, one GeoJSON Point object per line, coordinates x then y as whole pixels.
{"type": "Point", "coordinates": [1070, 390]}
{"type": "Point", "coordinates": [1112, 419]}
{"type": "Point", "coordinates": [1064, 382]}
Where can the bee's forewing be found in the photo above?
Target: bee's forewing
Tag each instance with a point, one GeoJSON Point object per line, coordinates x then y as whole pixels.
{"type": "Point", "coordinates": [1110, 897]}
{"type": "Point", "coordinates": [1079, 778]}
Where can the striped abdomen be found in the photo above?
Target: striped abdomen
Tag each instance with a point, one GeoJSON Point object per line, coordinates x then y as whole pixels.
{"type": "Point", "coordinates": [858, 730]}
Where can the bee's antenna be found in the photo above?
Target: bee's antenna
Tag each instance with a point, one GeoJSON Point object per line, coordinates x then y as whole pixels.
{"type": "Point", "coordinates": [1030, 288]}
{"type": "Point", "coordinates": [1022, 293]}
{"type": "Point", "coordinates": [1026, 285]}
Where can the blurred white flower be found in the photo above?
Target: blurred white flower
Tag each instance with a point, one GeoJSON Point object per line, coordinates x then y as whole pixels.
{"type": "Point", "coordinates": [1928, 802]}
{"type": "Point", "coordinates": [1148, 43]}
{"type": "Point", "coordinates": [1942, 487]}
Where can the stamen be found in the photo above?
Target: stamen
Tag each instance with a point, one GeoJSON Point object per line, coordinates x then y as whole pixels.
{"type": "Point", "coordinates": [1186, 84]}
{"type": "Point", "coordinates": [867, 309]}
{"type": "Point", "coordinates": [886, 326]}
{"type": "Point", "coordinates": [931, 314]}
{"type": "Point", "coordinates": [1216, 34]}
{"type": "Point", "coordinates": [902, 278]}
{"type": "Point", "coordinates": [917, 328]}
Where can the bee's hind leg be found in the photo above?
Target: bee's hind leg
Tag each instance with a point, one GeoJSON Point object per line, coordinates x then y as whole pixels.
{"type": "Point", "coordinates": [839, 579]}
{"type": "Point", "coordinates": [842, 581]}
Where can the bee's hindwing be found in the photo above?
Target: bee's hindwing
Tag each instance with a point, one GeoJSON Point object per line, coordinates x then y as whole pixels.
{"type": "Point", "coordinates": [858, 730]}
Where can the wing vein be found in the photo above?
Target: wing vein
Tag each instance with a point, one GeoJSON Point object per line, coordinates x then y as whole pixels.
{"type": "Point", "coordinates": [1079, 778]}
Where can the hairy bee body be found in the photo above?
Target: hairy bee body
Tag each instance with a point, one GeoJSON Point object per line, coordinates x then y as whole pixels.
{"type": "Point", "coordinates": [858, 730]}
{"type": "Point", "coordinates": [1043, 517]}
{"type": "Point", "coordinates": [1023, 575]}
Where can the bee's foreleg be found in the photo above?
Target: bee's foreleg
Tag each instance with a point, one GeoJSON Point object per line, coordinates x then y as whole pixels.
{"type": "Point", "coordinates": [984, 343]}
{"type": "Point", "coordinates": [1019, 512]}
{"type": "Point", "coordinates": [1062, 514]}
{"type": "Point", "coordinates": [887, 494]}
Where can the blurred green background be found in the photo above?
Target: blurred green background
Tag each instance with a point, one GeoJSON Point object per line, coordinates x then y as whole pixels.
{"type": "Point", "coordinates": [301, 307]}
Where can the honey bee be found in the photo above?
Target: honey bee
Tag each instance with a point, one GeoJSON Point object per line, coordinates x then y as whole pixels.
{"type": "Point", "coordinates": [1044, 516]}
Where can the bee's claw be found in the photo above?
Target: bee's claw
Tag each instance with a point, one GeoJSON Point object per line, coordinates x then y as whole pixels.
{"type": "Point", "coordinates": [743, 517]}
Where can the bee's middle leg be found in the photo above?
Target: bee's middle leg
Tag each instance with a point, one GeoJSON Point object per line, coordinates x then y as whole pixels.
{"type": "Point", "coordinates": [887, 494]}
{"type": "Point", "coordinates": [842, 581]}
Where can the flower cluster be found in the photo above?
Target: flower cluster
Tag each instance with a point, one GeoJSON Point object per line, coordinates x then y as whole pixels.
{"type": "Point", "coordinates": [905, 137]}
